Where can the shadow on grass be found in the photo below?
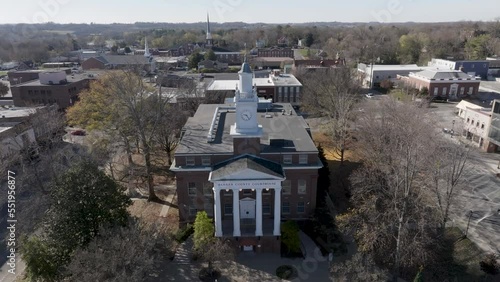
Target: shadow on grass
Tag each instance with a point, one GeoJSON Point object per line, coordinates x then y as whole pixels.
{"type": "Point", "coordinates": [458, 261]}
{"type": "Point", "coordinates": [339, 183]}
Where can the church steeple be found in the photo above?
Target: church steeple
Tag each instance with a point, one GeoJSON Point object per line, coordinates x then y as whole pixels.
{"type": "Point", "coordinates": [210, 41]}
{"type": "Point", "coordinates": [146, 48]}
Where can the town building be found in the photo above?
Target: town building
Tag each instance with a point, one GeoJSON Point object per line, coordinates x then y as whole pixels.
{"type": "Point", "coordinates": [451, 84]}
{"type": "Point", "coordinates": [312, 65]}
{"type": "Point", "coordinates": [136, 62]}
{"type": "Point", "coordinates": [373, 75]}
{"type": "Point", "coordinates": [471, 67]}
{"type": "Point", "coordinates": [52, 87]}
{"type": "Point", "coordinates": [281, 88]}
{"type": "Point", "coordinates": [275, 52]}
{"type": "Point", "coordinates": [494, 130]}
{"type": "Point", "coordinates": [16, 77]}
{"type": "Point", "coordinates": [475, 122]}
{"type": "Point", "coordinates": [214, 65]}
{"type": "Point", "coordinates": [226, 56]}
{"type": "Point", "coordinates": [248, 169]}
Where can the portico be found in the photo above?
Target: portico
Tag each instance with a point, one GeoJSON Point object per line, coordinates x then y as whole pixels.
{"type": "Point", "coordinates": [247, 173]}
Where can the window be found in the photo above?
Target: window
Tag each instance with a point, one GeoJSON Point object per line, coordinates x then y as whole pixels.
{"type": "Point", "coordinates": [482, 126]}
{"type": "Point", "coordinates": [228, 209]}
{"type": "Point", "coordinates": [280, 90]}
{"type": "Point", "coordinates": [286, 186]}
{"type": "Point", "coordinates": [192, 210]}
{"type": "Point", "coordinates": [30, 91]}
{"type": "Point", "coordinates": [445, 90]}
{"type": "Point", "coordinates": [205, 161]}
{"type": "Point", "coordinates": [436, 91]}
{"type": "Point", "coordinates": [190, 161]}
{"type": "Point", "coordinates": [285, 208]}
{"type": "Point", "coordinates": [302, 186]}
{"type": "Point", "coordinates": [303, 159]}
{"type": "Point", "coordinates": [287, 159]}
{"type": "Point", "coordinates": [301, 208]}
{"type": "Point", "coordinates": [247, 192]}
{"type": "Point", "coordinates": [49, 92]}
{"type": "Point", "coordinates": [42, 91]}
{"type": "Point", "coordinates": [477, 124]}
{"type": "Point", "coordinates": [36, 91]}
{"type": "Point", "coordinates": [297, 89]}
{"type": "Point", "coordinates": [462, 90]}
{"type": "Point", "coordinates": [468, 120]}
{"type": "Point", "coordinates": [191, 188]}
{"type": "Point", "coordinates": [207, 189]}
{"type": "Point", "coordinates": [471, 89]}
{"type": "Point", "coordinates": [266, 208]}
{"type": "Point", "coordinates": [472, 122]}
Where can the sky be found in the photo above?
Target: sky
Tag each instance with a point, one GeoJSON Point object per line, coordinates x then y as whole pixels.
{"type": "Point", "coordinates": [250, 11]}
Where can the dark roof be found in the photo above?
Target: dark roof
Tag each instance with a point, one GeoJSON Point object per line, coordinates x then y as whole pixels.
{"type": "Point", "coordinates": [226, 168]}
{"type": "Point", "coordinates": [245, 68]}
{"type": "Point", "coordinates": [219, 49]}
{"type": "Point", "coordinates": [123, 59]}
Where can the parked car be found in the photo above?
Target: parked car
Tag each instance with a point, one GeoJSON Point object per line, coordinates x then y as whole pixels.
{"type": "Point", "coordinates": [78, 133]}
{"type": "Point", "coordinates": [369, 95]}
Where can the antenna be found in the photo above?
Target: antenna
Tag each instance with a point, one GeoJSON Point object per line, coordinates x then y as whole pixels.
{"type": "Point", "coordinates": [245, 52]}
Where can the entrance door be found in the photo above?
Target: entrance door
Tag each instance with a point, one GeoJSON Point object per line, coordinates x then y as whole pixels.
{"type": "Point", "coordinates": [247, 208]}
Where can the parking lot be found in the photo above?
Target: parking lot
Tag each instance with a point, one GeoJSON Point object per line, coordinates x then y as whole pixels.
{"type": "Point", "coordinates": [482, 193]}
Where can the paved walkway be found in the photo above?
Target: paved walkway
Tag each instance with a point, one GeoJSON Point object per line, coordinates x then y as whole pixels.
{"type": "Point", "coordinates": [249, 266]}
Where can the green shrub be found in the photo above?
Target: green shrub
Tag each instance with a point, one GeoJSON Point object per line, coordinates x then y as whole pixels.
{"type": "Point", "coordinates": [183, 233]}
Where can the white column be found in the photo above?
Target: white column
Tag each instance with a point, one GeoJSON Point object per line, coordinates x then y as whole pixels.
{"type": "Point", "coordinates": [277, 211]}
{"type": "Point", "coordinates": [258, 218]}
{"type": "Point", "coordinates": [217, 213]}
{"type": "Point", "coordinates": [236, 213]}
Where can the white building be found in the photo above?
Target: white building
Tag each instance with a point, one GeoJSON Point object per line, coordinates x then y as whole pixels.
{"type": "Point", "coordinates": [384, 72]}
{"type": "Point", "coordinates": [475, 122]}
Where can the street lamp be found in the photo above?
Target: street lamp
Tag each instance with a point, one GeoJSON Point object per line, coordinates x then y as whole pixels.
{"type": "Point", "coordinates": [468, 223]}
{"type": "Point", "coordinates": [452, 127]}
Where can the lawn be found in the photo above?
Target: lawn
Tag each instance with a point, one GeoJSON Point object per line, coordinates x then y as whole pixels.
{"type": "Point", "coordinates": [2, 73]}
{"type": "Point", "coordinates": [461, 258]}
{"type": "Point", "coordinates": [303, 52]}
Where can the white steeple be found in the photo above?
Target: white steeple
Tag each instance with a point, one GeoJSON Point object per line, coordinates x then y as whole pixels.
{"type": "Point", "coordinates": [209, 34]}
{"type": "Point", "coordinates": [246, 101]}
{"type": "Point", "coordinates": [146, 48]}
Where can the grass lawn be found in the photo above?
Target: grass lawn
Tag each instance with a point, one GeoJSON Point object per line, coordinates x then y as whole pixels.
{"type": "Point", "coordinates": [398, 94]}
{"type": "Point", "coordinates": [303, 52]}
{"type": "Point", "coordinates": [463, 258]}
{"type": "Point", "coordinates": [3, 73]}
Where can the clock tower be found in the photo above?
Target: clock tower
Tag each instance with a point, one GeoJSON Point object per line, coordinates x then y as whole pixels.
{"type": "Point", "coordinates": [246, 101]}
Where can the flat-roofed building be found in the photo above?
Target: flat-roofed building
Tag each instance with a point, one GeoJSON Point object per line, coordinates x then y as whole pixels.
{"type": "Point", "coordinates": [54, 87]}
{"type": "Point", "coordinates": [281, 88]}
{"type": "Point", "coordinates": [451, 84]}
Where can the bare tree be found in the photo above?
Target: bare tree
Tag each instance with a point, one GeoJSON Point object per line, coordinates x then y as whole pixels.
{"type": "Point", "coordinates": [333, 94]}
{"type": "Point", "coordinates": [168, 135]}
{"type": "Point", "coordinates": [129, 253]}
{"type": "Point", "coordinates": [390, 215]}
{"type": "Point", "coordinates": [447, 166]}
{"type": "Point", "coordinates": [360, 267]}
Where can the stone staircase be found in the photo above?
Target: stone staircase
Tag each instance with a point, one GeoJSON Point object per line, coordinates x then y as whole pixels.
{"type": "Point", "coordinates": [184, 252]}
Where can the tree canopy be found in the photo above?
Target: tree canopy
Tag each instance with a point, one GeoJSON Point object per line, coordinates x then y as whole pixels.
{"type": "Point", "coordinates": [83, 200]}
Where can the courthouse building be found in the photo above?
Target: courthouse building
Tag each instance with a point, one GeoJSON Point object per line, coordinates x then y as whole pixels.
{"type": "Point", "coordinates": [249, 167]}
